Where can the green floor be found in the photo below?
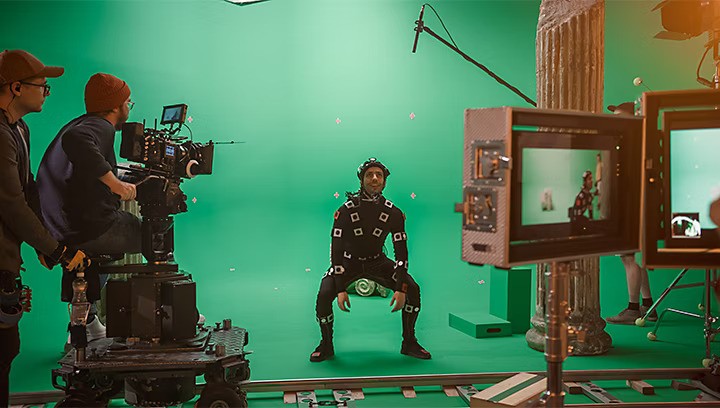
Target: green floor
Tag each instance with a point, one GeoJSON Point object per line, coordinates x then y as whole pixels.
{"type": "Point", "coordinates": [274, 299]}
{"type": "Point", "coordinates": [368, 342]}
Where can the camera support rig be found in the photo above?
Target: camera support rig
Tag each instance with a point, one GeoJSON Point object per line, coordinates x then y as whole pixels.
{"type": "Point", "coordinates": [155, 346]}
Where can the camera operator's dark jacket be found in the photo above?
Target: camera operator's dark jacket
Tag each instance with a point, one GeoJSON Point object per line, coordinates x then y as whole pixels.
{"type": "Point", "coordinates": [77, 207]}
{"type": "Point", "coordinates": [19, 204]}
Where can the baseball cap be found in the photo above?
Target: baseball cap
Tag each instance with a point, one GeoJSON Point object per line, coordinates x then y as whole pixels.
{"type": "Point", "coordinates": [17, 65]}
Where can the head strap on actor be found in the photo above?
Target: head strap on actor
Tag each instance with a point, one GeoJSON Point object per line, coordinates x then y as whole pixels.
{"type": "Point", "coordinates": [362, 169]}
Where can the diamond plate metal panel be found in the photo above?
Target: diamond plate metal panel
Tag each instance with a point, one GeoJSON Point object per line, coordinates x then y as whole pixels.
{"type": "Point", "coordinates": [494, 126]}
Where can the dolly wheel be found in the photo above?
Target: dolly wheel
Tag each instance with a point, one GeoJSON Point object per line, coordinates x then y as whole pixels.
{"type": "Point", "coordinates": [221, 396]}
{"type": "Point", "coordinates": [640, 322]}
{"type": "Point", "coordinates": [651, 336]}
{"type": "Point", "coordinates": [706, 362]}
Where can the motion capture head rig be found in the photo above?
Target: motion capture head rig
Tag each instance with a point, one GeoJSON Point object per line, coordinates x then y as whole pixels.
{"type": "Point", "coordinates": [371, 162]}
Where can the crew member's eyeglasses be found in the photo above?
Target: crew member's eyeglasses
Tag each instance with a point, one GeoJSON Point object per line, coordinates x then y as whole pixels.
{"type": "Point", "coordinates": [130, 105]}
{"type": "Point", "coordinates": [45, 86]}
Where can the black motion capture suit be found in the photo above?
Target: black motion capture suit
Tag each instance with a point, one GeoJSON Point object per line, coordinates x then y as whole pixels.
{"type": "Point", "coordinates": [361, 226]}
{"type": "Point", "coordinates": [583, 201]}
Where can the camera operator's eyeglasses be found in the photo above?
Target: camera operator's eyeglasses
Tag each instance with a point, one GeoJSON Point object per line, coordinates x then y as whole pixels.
{"type": "Point", "coordinates": [45, 86]}
{"type": "Point", "coordinates": [130, 105]}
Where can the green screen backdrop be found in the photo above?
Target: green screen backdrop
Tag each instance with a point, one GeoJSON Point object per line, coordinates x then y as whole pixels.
{"type": "Point", "coordinates": [313, 88]}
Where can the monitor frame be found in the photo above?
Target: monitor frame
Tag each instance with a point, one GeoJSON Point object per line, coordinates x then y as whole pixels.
{"type": "Point", "coordinates": [183, 109]}
{"type": "Point", "coordinates": [666, 111]}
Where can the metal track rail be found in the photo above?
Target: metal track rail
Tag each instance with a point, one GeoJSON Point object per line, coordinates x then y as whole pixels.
{"type": "Point", "coordinates": [462, 379]}
{"type": "Point", "coordinates": [295, 385]}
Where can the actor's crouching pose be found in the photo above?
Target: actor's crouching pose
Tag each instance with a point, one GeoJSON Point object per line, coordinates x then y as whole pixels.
{"type": "Point", "coordinates": [361, 226]}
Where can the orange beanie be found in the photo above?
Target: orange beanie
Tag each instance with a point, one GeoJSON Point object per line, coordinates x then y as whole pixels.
{"type": "Point", "coordinates": [105, 92]}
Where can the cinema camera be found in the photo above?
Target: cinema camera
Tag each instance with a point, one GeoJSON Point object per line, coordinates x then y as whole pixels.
{"type": "Point", "coordinates": [155, 346]}
{"type": "Point", "coordinates": [164, 160]}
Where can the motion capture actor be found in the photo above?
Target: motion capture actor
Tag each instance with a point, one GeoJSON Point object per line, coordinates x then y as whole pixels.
{"type": "Point", "coordinates": [23, 89]}
{"type": "Point", "coordinates": [361, 226]}
{"type": "Point", "coordinates": [584, 199]}
{"type": "Point", "coordinates": [80, 191]}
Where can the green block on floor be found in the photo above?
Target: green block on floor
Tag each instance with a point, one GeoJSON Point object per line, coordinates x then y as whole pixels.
{"type": "Point", "coordinates": [510, 295]}
{"type": "Point", "coordinates": [479, 325]}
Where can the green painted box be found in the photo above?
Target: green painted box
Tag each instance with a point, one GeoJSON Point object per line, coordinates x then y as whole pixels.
{"type": "Point", "coordinates": [510, 297]}
{"type": "Point", "coordinates": [480, 325]}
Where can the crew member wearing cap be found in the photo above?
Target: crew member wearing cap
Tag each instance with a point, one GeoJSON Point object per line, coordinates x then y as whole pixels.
{"type": "Point", "coordinates": [79, 188]}
{"type": "Point", "coordinates": [361, 226]}
{"type": "Point", "coordinates": [23, 89]}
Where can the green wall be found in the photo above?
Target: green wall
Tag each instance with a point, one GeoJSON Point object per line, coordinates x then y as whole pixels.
{"type": "Point", "coordinates": [277, 75]}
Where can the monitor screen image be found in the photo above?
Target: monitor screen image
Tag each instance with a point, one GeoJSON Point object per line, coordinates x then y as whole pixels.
{"type": "Point", "coordinates": [173, 114]}
{"type": "Point", "coordinates": [695, 178]}
{"type": "Point", "coordinates": [565, 186]}
{"type": "Point", "coordinates": [570, 185]}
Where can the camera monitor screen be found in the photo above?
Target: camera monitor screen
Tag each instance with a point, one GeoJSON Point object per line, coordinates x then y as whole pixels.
{"type": "Point", "coordinates": [566, 189]}
{"type": "Point", "coordinates": [695, 175]}
{"type": "Point", "coordinates": [694, 182]}
{"type": "Point", "coordinates": [174, 114]}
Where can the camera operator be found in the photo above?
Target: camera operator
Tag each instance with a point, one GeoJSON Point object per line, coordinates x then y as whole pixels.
{"type": "Point", "coordinates": [23, 89]}
{"type": "Point", "coordinates": [80, 190]}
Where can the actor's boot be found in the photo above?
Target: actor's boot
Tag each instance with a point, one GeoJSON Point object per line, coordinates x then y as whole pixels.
{"type": "Point", "coordinates": [325, 349]}
{"type": "Point", "coordinates": [410, 346]}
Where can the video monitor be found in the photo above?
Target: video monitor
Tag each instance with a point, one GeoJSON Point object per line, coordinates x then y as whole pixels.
{"type": "Point", "coordinates": [173, 114]}
{"type": "Point", "coordinates": [562, 190]}
{"type": "Point", "coordinates": [682, 178]}
{"type": "Point", "coordinates": [571, 187]}
{"type": "Point", "coordinates": [695, 176]}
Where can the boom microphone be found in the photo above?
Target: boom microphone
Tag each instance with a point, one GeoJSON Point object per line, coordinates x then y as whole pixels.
{"type": "Point", "coordinates": [418, 28]}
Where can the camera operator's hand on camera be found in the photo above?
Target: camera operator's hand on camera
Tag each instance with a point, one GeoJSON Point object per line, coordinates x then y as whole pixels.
{"type": "Point", "coordinates": [70, 259]}
{"type": "Point", "coordinates": [126, 191]}
{"type": "Point", "coordinates": [343, 301]}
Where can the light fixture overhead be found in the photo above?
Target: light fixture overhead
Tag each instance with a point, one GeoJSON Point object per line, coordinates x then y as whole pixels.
{"type": "Point", "coordinates": [245, 2]}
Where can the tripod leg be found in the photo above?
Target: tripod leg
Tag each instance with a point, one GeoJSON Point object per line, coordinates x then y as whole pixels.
{"type": "Point", "coordinates": [666, 291]}
{"type": "Point", "coordinates": [709, 319]}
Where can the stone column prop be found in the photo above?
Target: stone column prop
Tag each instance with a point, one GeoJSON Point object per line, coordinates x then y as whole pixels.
{"type": "Point", "coordinates": [570, 75]}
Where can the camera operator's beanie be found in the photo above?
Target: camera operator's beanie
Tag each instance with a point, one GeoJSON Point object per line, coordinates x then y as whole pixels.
{"type": "Point", "coordinates": [105, 92]}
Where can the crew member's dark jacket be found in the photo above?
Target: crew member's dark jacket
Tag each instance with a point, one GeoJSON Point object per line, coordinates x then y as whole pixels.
{"type": "Point", "coordinates": [77, 207]}
{"type": "Point", "coordinates": [19, 202]}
